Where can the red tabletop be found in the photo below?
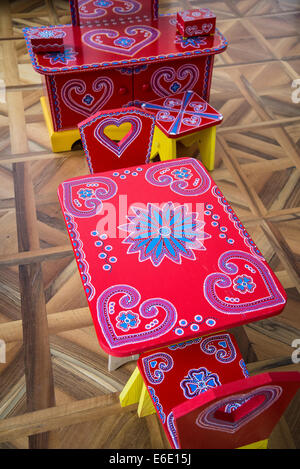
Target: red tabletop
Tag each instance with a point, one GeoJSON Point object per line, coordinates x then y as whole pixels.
{"type": "Point", "coordinates": [183, 114]}
{"type": "Point", "coordinates": [162, 256]}
{"type": "Point", "coordinates": [131, 43]}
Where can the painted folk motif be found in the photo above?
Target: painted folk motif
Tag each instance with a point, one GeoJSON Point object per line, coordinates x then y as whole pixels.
{"type": "Point", "coordinates": [74, 97]}
{"type": "Point", "coordinates": [91, 11]}
{"type": "Point", "coordinates": [183, 114]}
{"type": "Point", "coordinates": [164, 222]}
{"type": "Point", "coordinates": [235, 414]}
{"type": "Point", "coordinates": [103, 152]}
{"type": "Point", "coordinates": [189, 369]}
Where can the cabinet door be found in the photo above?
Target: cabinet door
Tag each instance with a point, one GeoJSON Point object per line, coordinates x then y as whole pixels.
{"type": "Point", "coordinates": [171, 77]}
{"type": "Point", "coordinates": [75, 96]}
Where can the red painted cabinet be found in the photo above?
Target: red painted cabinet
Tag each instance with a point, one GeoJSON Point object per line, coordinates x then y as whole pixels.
{"type": "Point", "coordinates": [172, 77]}
{"type": "Point", "coordinates": [75, 96]}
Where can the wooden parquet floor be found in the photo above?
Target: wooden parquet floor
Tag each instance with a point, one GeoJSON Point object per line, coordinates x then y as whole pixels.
{"type": "Point", "coordinates": [55, 390]}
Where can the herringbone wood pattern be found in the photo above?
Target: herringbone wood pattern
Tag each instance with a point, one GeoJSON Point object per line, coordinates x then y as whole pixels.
{"type": "Point", "coordinates": [55, 390]}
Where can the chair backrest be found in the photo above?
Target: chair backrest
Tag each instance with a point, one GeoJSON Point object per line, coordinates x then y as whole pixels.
{"type": "Point", "coordinates": [91, 12]}
{"type": "Point", "coordinates": [235, 414]}
{"type": "Point", "coordinates": [117, 138]}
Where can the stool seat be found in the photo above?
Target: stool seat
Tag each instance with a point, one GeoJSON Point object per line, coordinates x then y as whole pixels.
{"type": "Point", "coordinates": [187, 118]}
{"type": "Point", "coordinates": [181, 372]}
{"type": "Point", "coordinates": [183, 114]}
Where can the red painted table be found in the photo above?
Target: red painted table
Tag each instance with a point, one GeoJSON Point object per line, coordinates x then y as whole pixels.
{"type": "Point", "coordinates": [176, 263]}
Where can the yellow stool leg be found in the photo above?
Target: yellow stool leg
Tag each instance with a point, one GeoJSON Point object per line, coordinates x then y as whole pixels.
{"type": "Point", "coordinates": [164, 146]}
{"type": "Point", "coordinates": [132, 389]}
{"type": "Point", "coordinates": [62, 140]}
{"type": "Point", "coordinates": [262, 444]}
{"type": "Point", "coordinates": [146, 406]}
{"type": "Point", "coordinates": [207, 144]}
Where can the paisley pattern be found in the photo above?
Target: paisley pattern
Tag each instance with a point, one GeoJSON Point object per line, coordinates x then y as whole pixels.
{"type": "Point", "coordinates": [125, 297]}
{"type": "Point", "coordinates": [242, 304]}
{"type": "Point", "coordinates": [268, 395]}
{"type": "Point", "coordinates": [135, 39]}
{"type": "Point", "coordinates": [156, 365]}
{"type": "Point", "coordinates": [220, 346]}
{"type": "Point", "coordinates": [159, 175]}
{"type": "Point", "coordinates": [83, 197]}
{"type": "Point", "coordinates": [72, 90]}
{"type": "Point", "coordinates": [187, 75]}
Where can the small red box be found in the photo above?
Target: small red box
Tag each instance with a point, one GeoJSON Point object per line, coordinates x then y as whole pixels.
{"type": "Point", "coordinates": [200, 22]}
{"type": "Point", "coordinates": [47, 40]}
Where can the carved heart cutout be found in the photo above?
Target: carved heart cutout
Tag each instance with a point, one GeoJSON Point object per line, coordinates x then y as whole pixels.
{"type": "Point", "coordinates": [244, 408]}
{"type": "Point", "coordinates": [113, 309]}
{"type": "Point", "coordinates": [194, 181]}
{"type": "Point", "coordinates": [74, 89]}
{"type": "Point", "coordinates": [118, 147]}
{"type": "Point", "coordinates": [135, 38]}
{"type": "Point", "coordinates": [251, 292]}
{"type": "Point", "coordinates": [188, 74]}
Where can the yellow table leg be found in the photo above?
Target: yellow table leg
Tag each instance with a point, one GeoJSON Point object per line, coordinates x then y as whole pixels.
{"type": "Point", "coordinates": [132, 389]}
{"type": "Point", "coordinates": [262, 444]}
{"type": "Point", "coordinates": [207, 144]}
{"type": "Point", "coordinates": [146, 406]}
{"type": "Point", "coordinates": [135, 391]}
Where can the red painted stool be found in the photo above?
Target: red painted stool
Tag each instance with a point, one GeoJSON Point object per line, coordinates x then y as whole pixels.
{"type": "Point", "coordinates": [187, 118]}
{"type": "Point", "coordinates": [199, 392]}
{"type": "Point", "coordinates": [117, 138]}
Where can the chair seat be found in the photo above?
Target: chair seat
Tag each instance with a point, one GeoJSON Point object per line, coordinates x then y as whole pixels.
{"type": "Point", "coordinates": [184, 371]}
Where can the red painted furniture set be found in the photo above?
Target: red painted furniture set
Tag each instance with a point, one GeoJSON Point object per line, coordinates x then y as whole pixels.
{"type": "Point", "coordinates": [167, 266]}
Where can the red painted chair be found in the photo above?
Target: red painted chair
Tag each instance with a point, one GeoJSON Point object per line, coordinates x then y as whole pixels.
{"type": "Point", "coordinates": [117, 138]}
{"type": "Point", "coordinates": [199, 391]}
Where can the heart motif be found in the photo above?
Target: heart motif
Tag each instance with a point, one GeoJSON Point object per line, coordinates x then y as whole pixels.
{"type": "Point", "coordinates": [195, 181]}
{"type": "Point", "coordinates": [73, 89]}
{"type": "Point", "coordinates": [187, 72]}
{"type": "Point", "coordinates": [83, 198]}
{"type": "Point", "coordinates": [267, 294]}
{"type": "Point", "coordinates": [110, 305]}
{"type": "Point", "coordinates": [221, 346]}
{"type": "Point", "coordinates": [118, 147]}
{"type": "Point", "coordinates": [206, 27]}
{"type": "Point", "coordinates": [125, 45]}
{"type": "Point", "coordinates": [156, 365]}
{"type": "Point", "coordinates": [255, 403]}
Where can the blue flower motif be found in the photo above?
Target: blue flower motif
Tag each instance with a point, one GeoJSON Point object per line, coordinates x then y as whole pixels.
{"type": "Point", "coordinates": [61, 57]}
{"type": "Point", "coordinates": [85, 193]}
{"type": "Point", "coordinates": [88, 99]}
{"type": "Point", "coordinates": [199, 381]}
{"type": "Point", "coordinates": [124, 42]}
{"type": "Point", "coordinates": [175, 87]}
{"type": "Point", "coordinates": [244, 284]}
{"type": "Point", "coordinates": [182, 173]}
{"type": "Point", "coordinates": [170, 232]}
{"type": "Point", "coordinates": [127, 320]}
{"type": "Point", "coordinates": [46, 34]}
{"type": "Point", "coordinates": [195, 41]}
{"type": "Point", "coordinates": [103, 3]}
